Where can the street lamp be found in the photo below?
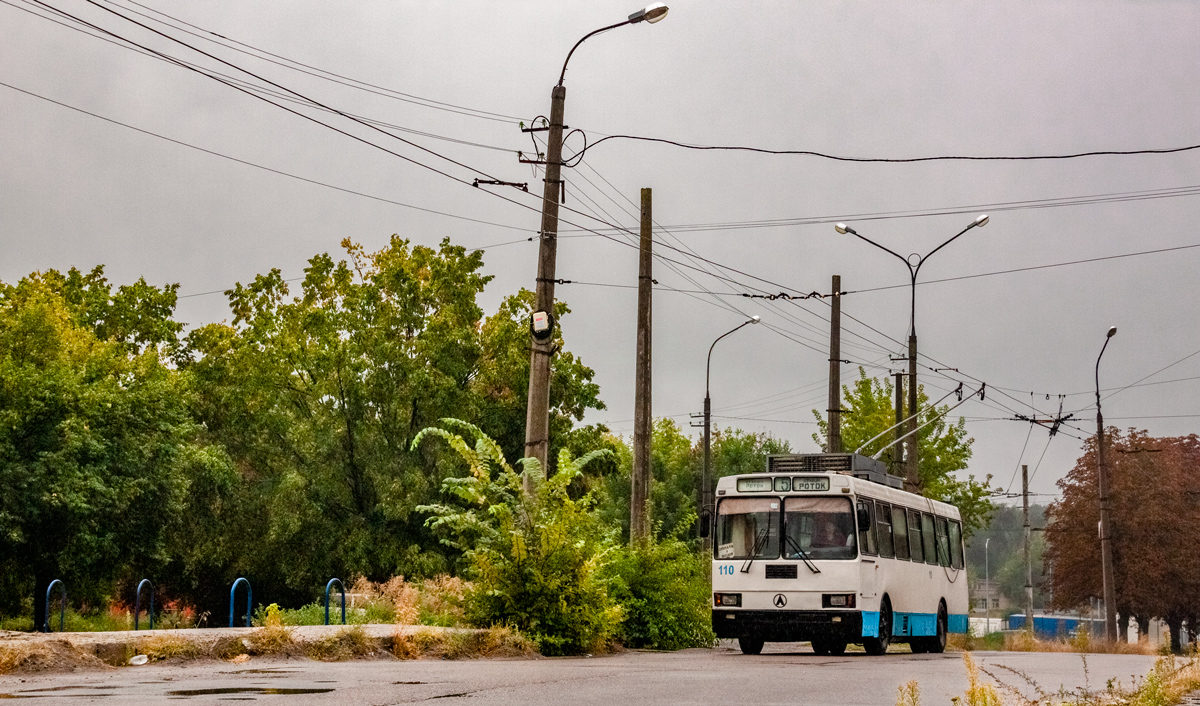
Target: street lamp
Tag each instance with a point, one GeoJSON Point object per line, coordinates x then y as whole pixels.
{"type": "Point", "coordinates": [706, 476]}
{"type": "Point", "coordinates": [987, 582]}
{"type": "Point", "coordinates": [1106, 560]}
{"type": "Point", "coordinates": [537, 414]}
{"type": "Point", "coordinates": [913, 269]}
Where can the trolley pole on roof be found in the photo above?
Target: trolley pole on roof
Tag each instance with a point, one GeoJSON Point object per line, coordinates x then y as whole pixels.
{"type": "Point", "coordinates": [639, 506]}
{"type": "Point", "coordinates": [834, 442]}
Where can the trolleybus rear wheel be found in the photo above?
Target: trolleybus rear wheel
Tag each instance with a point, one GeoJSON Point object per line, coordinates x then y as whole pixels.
{"type": "Point", "coordinates": [879, 645]}
{"type": "Point", "coordinates": [934, 643]}
{"type": "Point", "coordinates": [751, 645]}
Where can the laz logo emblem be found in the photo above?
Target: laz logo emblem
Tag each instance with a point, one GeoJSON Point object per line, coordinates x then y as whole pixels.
{"type": "Point", "coordinates": [780, 600]}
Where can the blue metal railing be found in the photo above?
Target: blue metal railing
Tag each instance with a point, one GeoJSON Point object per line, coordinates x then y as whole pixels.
{"type": "Point", "coordinates": [249, 600]}
{"type": "Point", "coordinates": [137, 604]}
{"type": "Point", "coordinates": [62, 606]}
{"type": "Point", "coordinates": [342, 588]}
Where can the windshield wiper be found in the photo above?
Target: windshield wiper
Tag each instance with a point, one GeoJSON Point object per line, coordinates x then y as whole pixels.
{"type": "Point", "coordinates": [803, 555]}
{"type": "Point", "coordinates": [759, 541]}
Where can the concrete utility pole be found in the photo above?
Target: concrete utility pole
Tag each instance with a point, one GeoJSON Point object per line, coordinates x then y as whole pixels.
{"type": "Point", "coordinates": [1028, 555]}
{"type": "Point", "coordinates": [537, 413]}
{"type": "Point", "coordinates": [834, 442]}
{"type": "Point", "coordinates": [913, 480]}
{"type": "Point", "coordinates": [542, 324]}
{"type": "Point", "coordinates": [898, 449]}
{"type": "Point", "coordinates": [639, 506]}
{"type": "Point", "coordinates": [913, 474]}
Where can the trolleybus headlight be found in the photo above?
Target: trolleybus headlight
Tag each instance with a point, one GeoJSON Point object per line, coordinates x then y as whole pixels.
{"type": "Point", "coordinates": [837, 600]}
{"type": "Point", "coordinates": [728, 599]}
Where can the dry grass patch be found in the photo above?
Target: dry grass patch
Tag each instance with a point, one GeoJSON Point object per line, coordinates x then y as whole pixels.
{"type": "Point", "coordinates": [346, 643]}
{"type": "Point", "coordinates": [1025, 641]}
{"type": "Point", "coordinates": [166, 646]}
{"type": "Point", "coordinates": [497, 641]}
{"type": "Point", "coordinates": [20, 656]}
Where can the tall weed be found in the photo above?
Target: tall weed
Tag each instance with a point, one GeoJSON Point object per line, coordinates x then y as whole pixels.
{"type": "Point", "coordinates": [537, 557]}
{"type": "Point", "coordinates": [663, 589]}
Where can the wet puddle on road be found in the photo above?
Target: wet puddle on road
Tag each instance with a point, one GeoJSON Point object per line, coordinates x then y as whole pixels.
{"type": "Point", "coordinates": [184, 693]}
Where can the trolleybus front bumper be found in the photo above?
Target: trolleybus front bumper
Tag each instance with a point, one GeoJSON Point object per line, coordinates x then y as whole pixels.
{"type": "Point", "coordinates": [788, 625]}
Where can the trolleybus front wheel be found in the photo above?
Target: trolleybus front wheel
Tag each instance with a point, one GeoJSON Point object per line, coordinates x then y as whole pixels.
{"type": "Point", "coordinates": [751, 645]}
{"type": "Point", "coordinates": [879, 645]}
{"type": "Point", "coordinates": [829, 647]}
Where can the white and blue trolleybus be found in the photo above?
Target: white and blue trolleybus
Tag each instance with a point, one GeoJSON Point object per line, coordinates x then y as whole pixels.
{"type": "Point", "coordinates": [827, 548]}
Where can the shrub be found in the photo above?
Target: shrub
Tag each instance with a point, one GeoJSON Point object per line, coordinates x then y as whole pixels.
{"type": "Point", "coordinates": [663, 589]}
{"type": "Point", "coordinates": [536, 555]}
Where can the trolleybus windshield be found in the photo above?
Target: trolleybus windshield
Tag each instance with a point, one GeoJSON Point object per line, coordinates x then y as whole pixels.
{"type": "Point", "coordinates": [819, 528]}
{"type": "Point", "coordinates": [748, 528]}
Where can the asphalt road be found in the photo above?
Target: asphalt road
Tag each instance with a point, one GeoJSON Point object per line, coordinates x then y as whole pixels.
{"type": "Point", "coordinates": [783, 674]}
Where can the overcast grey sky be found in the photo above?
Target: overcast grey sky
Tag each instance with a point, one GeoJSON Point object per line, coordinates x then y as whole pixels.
{"type": "Point", "coordinates": [849, 78]}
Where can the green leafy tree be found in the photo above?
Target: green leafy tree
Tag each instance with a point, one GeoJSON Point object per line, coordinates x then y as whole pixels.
{"type": "Point", "coordinates": [944, 449]}
{"type": "Point", "coordinates": [676, 462]}
{"type": "Point", "coordinates": [318, 397]}
{"type": "Point", "coordinates": [537, 557]}
{"type": "Point", "coordinates": [98, 448]}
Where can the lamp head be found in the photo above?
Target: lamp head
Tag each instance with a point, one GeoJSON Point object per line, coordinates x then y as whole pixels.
{"type": "Point", "coordinates": [982, 221]}
{"type": "Point", "coordinates": [756, 318]}
{"type": "Point", "coordinates": [1112, 332]}
{"type": "Point", "coordinates": [651, 13]}
{"type": "Point", "coordinates": [842, 228]}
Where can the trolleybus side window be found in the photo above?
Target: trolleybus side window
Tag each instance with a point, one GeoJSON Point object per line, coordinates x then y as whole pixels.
{"type": "Point", "coordinates": [928, 538]}
{"type": "Point", "coordinates": [748, 528]}
{"type": "Point", "coordinates": [883, 529]}
{"type": "Point", "coordinates": [900, 531]}
{"type": "Point", "coordinates": [943, 541]}
{"type": "Point", "coordinates": [956, 552]}
{"type": "Point", "coordinates": [915, 546]}
{"type": "Point", "coordinates": [818, 528]}
{"type": "Point", "coordinates": [866, 526]}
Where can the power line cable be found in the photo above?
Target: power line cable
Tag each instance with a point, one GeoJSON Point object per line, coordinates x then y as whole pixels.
{"type": "Point", "coordinates": [265, 168]}
{"type": "Point", "coordinates": [323, 74]}
{"type": "Point", "coordinates": [578, 156]}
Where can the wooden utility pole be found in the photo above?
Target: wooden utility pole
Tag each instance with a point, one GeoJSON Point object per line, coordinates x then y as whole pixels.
{"type": "Point", "coordinates": [898, 448]}
{"type": "Point", "coordinates": [537, 413]}
{"type": "Point", "coordinates": [639, 509]}
{"type": "Point", "coordinates": [834, 442]}
{"type": "Point", "coordinates": [1028, 554]}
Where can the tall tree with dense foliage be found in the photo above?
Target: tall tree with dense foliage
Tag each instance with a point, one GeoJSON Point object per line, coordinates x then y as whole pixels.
{"type": "Point", "coordinates": [98, 448]}
{"type": "Point", "coordinates": [318, 397]}
{"type": "Point", "coordinates": [944, 448]}
{"type": "Point", "coordinates": [1156, 527]}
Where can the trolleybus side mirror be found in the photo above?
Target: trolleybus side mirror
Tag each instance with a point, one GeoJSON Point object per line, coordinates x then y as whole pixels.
{"type": "Point", "coordinates": [705, 523]}
{"type": "Point", "coordinates": [864, 517]}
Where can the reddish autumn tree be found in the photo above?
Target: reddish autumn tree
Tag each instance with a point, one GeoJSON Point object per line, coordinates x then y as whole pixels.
{"type": "Point", "coordinates": [1155, 529]}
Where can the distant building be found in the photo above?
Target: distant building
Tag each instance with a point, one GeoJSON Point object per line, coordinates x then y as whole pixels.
{"type": "Point", "coordinates": [981, 591]}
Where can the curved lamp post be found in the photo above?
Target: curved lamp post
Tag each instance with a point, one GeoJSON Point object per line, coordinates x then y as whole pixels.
{"type": "Point", "coordinates": [913, 269]}
{"type": "Point", "coordinates": [537, 414]}
{"type": "Point", "coordinates": [1106, 557]}
{"type": "Point", "coordinates": [706, 501]}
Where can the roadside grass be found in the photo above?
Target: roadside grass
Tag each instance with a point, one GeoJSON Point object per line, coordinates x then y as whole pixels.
{"type": "Point", "coordinates": [437, 601]}
{"type": "Point", "coordinates": [1025, 641]}
{"type": "Point", "coordinates": [498, 641]}
{"type": "Point", "coordinates": [346, 643]}
{"type": "Point", "coordinates": [115, 618]}
{"type": "Point", "coordinates": [1164, 685]}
